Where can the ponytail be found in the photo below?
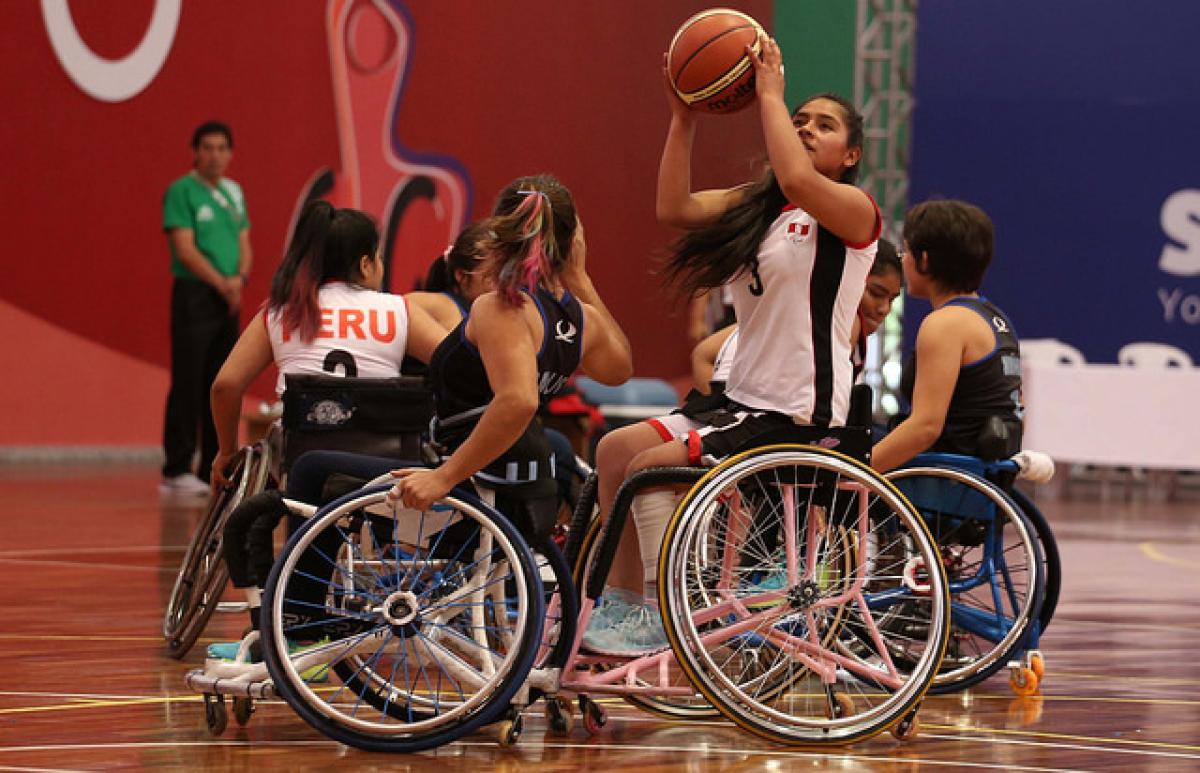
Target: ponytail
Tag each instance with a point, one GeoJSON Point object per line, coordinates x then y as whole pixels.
{"type": "Point", "coordinates": [326, 245]}
{"type": "Point", "coordinates": [463, 255]}
{"type": "Point", "coordinates": [532, 228]}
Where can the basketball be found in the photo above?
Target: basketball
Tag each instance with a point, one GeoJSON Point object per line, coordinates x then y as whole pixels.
{"type": "Point", "coordinates": [707, 61]}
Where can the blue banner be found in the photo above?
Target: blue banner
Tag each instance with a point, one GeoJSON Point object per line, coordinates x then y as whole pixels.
{"type": "Point", "coordinates": [1076, 125]}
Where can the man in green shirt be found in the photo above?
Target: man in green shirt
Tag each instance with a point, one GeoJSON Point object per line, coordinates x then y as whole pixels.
{"type": "Point", "coordinates": [204, 218]}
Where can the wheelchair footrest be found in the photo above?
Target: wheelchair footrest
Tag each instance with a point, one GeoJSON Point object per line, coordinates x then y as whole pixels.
{"type": "Point", "coordinates": [198, 680]}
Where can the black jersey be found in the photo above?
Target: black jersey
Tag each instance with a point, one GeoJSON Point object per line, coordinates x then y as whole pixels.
{"type": "Point", "coordinates": [461, 390]}
{"type": "Point", "coordinates": [985, 414]}
{"type": "Point", "coordinates": [411, 366]}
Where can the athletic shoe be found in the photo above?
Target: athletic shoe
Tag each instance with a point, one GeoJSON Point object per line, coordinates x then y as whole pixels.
{"type": "Point", "coordinates": [186, 484]}
{"type": "Point", "coordinates": [227, 651]}
{"type": "Point", "coordinates": [772, 582]}
{"type": "Point", "coordinates": [627, 628]}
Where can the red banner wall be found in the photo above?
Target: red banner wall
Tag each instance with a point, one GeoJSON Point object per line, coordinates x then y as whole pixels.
{"type": "Point", "coordinates": [417, 111]}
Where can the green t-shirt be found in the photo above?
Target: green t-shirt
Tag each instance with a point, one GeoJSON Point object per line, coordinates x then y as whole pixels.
{"type": "Point", "coordinates": [216, 217]}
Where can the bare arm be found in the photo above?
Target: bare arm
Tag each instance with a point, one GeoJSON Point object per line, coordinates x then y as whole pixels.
{"type": "Point", "coordinates": [607, 355]}
{"type": "Point", "coordinates": [675, 203]}
{"type": "Point", "coordinates": [424, 333]}
{"type": "Point", "coordinates": [443, 310]}
{"type": "Point", "coordinates": [510, 359]}
{"type": "Point", "coordinates": [939, 356]}
{"type": "Point", "coordinates": [250, 357]}
{"type": "Point", "coordinates": [704, 357]}
{"type": "Point", "coordinates": [842, 208]}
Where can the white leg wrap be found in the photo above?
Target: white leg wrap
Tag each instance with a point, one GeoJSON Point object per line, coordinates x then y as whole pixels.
{"type": "Point", "coordinates": [651, 513]}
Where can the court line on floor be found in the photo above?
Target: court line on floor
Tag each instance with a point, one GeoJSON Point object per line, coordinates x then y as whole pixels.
{"type": "Point", "coordinates": [1154, 554]}
{"type": "Point", "coordinates": [790, 754]}
{"type": "Point", "coordinates": [34, 637]}
{"type": "Point", "coordinates": [989, 735]}
{"type": "Point", "coordinates": [35, 552]}
{"type": "Point", "coordinates": [89, 565]}
{"type": "Point", "coordinates": [1169, 749]}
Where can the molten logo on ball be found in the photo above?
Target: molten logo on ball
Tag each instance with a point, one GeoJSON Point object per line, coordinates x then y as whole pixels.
{"type": "Point", "coordinates": [707, 60]}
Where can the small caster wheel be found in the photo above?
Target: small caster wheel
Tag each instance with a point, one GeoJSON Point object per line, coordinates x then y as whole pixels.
{"type": "Point", "coordinates": [1022, 680]}
{"type": "Point", "coordinates": [508, 730]}
{"type": "Point", "coordinates": [242, 709]}
{"type": "Point", "coordinates": [594, 718]}
{"type": "Point", "coordinates": [215, 717]}
{"type": "Point", "coordinates": [908, 727]}
{"type": "Point", "coordinates": [559, 718]}
{"type": "Point", "coordinates": [838, 705]}
{"type": "Point", "coordinates": [1037, 664]}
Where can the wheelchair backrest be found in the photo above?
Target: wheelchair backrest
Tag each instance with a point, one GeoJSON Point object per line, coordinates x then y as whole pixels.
{"type": "Point", "coordinates": [376, 416]}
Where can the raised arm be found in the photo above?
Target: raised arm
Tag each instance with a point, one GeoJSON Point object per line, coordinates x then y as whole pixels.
{"type": "Point", "coordinates": [250, 356]}
{"type": "Point", "coordinates": [844, 209]}
{"type": "Point", "coordinates": [607, 355]}
{"type": "Point", "coordinates": [675, 203]}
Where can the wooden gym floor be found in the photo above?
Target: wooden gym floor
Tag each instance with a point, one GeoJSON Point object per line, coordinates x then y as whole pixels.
{"type": "Point", "coordinates": [88, 556]}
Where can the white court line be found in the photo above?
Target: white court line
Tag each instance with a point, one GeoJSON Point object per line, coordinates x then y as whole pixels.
{"type": "Point", "coordinates": [35, 552]}
{"type": "Point", "coordinates": [1072, 746]}
{"type": "Point", "coordinates": [985, 739]}
{"type": "Point", "coordinates": [88, 564]}
{"type": "Point", "coordinates": [30, 769]}
{"type": "Point", "coordinates": [692, 752]}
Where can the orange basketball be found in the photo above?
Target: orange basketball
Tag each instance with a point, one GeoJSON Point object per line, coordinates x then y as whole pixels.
{"type": "Point", "coordinates": [707, 60]}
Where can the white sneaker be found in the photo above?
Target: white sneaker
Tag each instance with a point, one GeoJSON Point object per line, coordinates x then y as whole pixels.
{"type": "Point", "coordinates": [186, 484]}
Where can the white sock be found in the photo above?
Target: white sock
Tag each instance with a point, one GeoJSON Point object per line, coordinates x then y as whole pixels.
{"type": "Point", "coordinates": [651, 514]}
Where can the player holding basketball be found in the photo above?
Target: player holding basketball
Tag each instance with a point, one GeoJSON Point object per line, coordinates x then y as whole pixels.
{"type": "Point", "coordinates": [796, 246]}
{"type": "Point", "coordinates": [325, 314]}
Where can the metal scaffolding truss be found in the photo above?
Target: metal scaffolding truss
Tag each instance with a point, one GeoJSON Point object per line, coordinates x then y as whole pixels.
{"type": "Point", "coordinates": [883, 79]}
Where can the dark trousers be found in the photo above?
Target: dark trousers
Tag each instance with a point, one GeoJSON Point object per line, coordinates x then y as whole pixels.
{"type": "Point", "coordinates": [203, 332]}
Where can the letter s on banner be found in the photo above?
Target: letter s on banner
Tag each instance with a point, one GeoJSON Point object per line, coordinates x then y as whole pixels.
{"type": "Point", "coordinates": [105, 79]}
{"type": "Point", "coordinates": [1180, 218]}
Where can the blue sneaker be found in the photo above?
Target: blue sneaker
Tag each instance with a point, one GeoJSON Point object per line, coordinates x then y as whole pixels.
{"type": "Point", "coordinates": [224, 650]}
{"type": "Point", "coordinates": [613, 605]}
{"type": "Point", "coordinates": [228, 651]}
{"type": "Point", "coordinates": [630, 630]}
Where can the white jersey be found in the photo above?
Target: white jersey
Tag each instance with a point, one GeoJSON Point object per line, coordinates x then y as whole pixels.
{"type": "Point", "coordinates": [362, 333]}
{"type": "Point", "coordinates": [795, 315]}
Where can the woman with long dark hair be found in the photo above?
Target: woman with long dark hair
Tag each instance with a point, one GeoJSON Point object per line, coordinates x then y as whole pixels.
{"type": "Point", "coordinates": [325, 314]}
{"type": "Point", "coordinates": [795, 247]}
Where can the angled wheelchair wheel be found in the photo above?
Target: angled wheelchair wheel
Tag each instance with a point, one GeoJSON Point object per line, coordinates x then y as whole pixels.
{"type": "Point", "coordinates": [780, 578]}
{"type": "Point", "coordinates": [398, 630]}
{"type": "Point", "coordinates": [1050, 556]}
{"type": "Point", "coordinates": [993, 561]}
{"type": "Point", "coordinates": [202, 574]}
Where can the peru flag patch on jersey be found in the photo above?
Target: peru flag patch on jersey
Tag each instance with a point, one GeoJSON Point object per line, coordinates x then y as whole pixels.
{"type": "Point", "coordinates": [798, 232]}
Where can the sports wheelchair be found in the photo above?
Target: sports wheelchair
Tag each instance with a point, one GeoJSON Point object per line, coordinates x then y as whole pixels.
{"type": "Point", "coordinates": [1001, 560]}
{"type": "Point", "coordinates": [381, 416]}
{"type": "Point", "coordinates": [392, 629]}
